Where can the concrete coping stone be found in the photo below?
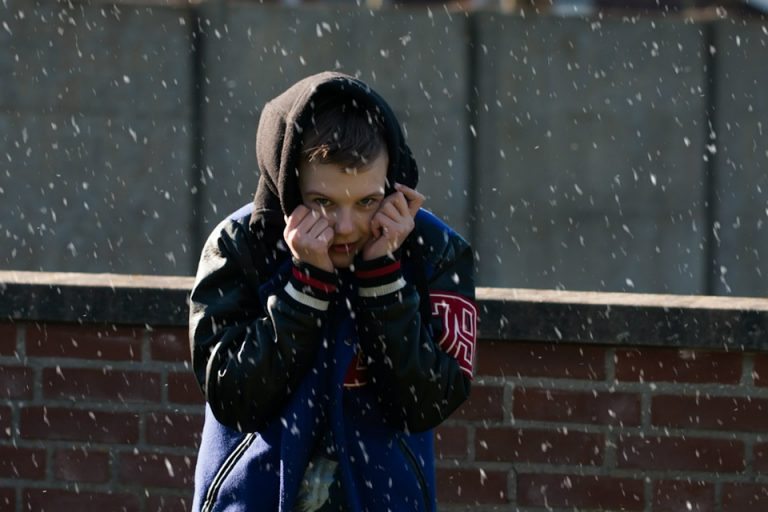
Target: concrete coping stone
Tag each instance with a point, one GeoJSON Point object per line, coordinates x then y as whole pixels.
{"type": "Point", "coordinates": [506, 314]}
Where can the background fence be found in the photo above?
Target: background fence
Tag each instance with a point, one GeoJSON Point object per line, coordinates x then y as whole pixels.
{"type": "Point", "coordinates": [609, 153]}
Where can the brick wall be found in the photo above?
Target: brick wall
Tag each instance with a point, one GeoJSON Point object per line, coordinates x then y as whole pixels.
{"type": "Point", "coordinates": [610, 428]}
{"type": "Point", "coordinates": [95, 415]}
{"type": "Point", "coordinates": [107, 414]}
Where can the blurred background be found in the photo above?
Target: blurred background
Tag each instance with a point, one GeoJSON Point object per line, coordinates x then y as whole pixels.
{"type": "Point", "coordinates": [578, 144]}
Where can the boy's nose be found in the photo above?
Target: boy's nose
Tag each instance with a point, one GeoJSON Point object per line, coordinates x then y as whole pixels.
{"type": "Point", "coordinates": [344, 222]}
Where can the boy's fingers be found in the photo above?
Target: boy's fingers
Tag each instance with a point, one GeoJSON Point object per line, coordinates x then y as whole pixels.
{"type": "Point", "coordinates": [414, 198]}
{"type": "Point", "coordinates": [391, 233]}
{"type": "Point", "coordinates": [317, 229]}
{"type": "Point", "coordinates": [395, 205]}
{"type": "Point", "coordinates": [408, 192]}
{"type": "Point", "coordinates": [327, 235]}
{"type": "Point", "coordinates": [296, 216]}
{"type": "Point", "coordinates": [300, 211]}
{"type": "Point", "coordinates": [311, 218]}
{"type": "Point", "coordinates": [415, 205]}
{"type": "Point", "coordinates": [376, 225]}
{"type": "Point", "coordinates": [392, 211]}
{"type": "Point", "coordinates": [388, 224]}
{"type": "Point", "coordinates": [400, 203]}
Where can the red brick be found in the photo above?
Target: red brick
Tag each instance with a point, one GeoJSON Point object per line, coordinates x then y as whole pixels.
{"type": "Point", "coordinates": [22, 463]}
{"type": "Point", "coordinates": [743, 497]}
{"type": "Point", "coordinates": [683, 495]}
{"type": "Point", "coordinates": [7, 339]}
{"type": "Point", "coordinates": [6, 419]}
{"type": "Point", "coordinates": [485, 403]}
{"type": "Point", "coordinates": [676, 453]}
{"type": "Point", "coordinates": [168, 504]}
{"type": "Point", "coordinates": [101, 384]}
{"type": "Point", "coordinates": [184, 389]}
{"type": "Point", "coordinates": [451, 442]}
{"type": "Point", "coordinates": [78, 465]}
{"type": "Point", "coordinates": [54, 500]}
{"type": "Point", "coordinates": [558, 405]}
{"type": "Point", "coordinates": [169, 345]}
{"type": "Point", "coordinates": [760, 459]}
{"type": "Point", "coordinates": [172, 429]}
{"type": "Point", "coordinates": [500, 358]}
{"type": "Point", "coordinates": [472, 486]}
{"type": "Point", "coordinates": [16, 382]}
{"type": "Point", "coordinates": [580, 491]}
{"type": "Point", "coordinates": [760, 370]}
{"type": "Point", "coordinates": [669, 365]}
{"type": "Point", "coordinates": [156, 470]}
{"type": "Point", "coordinates": [79, 425]}
{"type": "Point", "coordinates": [7, 499]}
{"type": "Point", "coordinates": [538, 446]}
{"type": "Point", "coordinates": [711, 413]}
{"type": "Point", "coordinates": [84, 342]}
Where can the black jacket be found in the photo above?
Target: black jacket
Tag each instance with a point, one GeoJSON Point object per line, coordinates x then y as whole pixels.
{"type": "Point", "coordinates": [250, 351]}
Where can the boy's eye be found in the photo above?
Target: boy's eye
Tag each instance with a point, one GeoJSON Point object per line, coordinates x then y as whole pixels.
{"type": "Point", "coordinates": [322, 202]}
{"type": "Point", "coordinates": [368, 201]}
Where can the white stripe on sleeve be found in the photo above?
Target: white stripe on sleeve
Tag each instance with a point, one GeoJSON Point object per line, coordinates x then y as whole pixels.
{"type": "Point", "coordinates": [384, 289]}
{"type": "Point", "coordinates": [307, 300]}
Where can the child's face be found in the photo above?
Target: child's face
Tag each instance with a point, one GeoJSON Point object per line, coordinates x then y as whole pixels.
{"type": "Point", "coordinates": [348, 198]}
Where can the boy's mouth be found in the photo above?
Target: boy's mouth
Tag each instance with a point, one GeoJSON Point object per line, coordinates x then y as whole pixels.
{"type": "Point", "coordinates": [343, 248]}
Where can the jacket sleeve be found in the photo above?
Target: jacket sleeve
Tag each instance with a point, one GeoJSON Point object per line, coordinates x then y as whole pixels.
{"type": "Point", "coordinates": [422, 373]}
{"type": "Point", "coordinates": [248, 356]}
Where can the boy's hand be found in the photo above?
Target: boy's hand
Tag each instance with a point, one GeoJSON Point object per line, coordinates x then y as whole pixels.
{"type": "Point", "coordinates": [393, 222]}
{"type": "Point", "coordinates": [309, 236]}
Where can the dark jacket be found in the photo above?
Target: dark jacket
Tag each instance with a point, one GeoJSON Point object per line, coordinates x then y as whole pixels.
{"type": "Point", "coordinates": [287, 354]}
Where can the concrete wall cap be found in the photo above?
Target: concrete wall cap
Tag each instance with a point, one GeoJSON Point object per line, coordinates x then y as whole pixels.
{"type": "Point", "coordinates": [507, 315]}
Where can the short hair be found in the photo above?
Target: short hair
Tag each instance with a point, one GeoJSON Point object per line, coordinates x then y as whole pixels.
{"type": "Point", "coordinates": [344, 133]}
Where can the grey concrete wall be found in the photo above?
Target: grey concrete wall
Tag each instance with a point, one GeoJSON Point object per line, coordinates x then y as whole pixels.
{"type": "Point", "coordinates": [95, 138]}
{"type": "Point", "coordinates": [590, 135]}
{"type": "Point", "coordinates": [573, 153]}
{"type": "Point", "coordinates": [740, 199]}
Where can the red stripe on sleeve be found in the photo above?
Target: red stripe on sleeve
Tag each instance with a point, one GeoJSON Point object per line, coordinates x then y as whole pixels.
{"type": "Point", "coordinates": [378, 272]}
{"type": "Point", "coordinates": [311, 281]}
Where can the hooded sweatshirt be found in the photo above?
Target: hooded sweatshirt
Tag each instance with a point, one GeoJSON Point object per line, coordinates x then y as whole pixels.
{"type": "Point", "coordinates": [355, 366]}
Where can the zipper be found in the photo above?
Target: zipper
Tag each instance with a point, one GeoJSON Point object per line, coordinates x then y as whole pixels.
{"type": "Point", "coordinates": [225, 470]}
{"type": "Point", "coordinates": [409, 455]}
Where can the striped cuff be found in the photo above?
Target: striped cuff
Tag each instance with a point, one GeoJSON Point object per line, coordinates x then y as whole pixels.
{"type": "Point", "coordinates": [311, 286]}
{"type": "Point", "coordinates": [379, 278]}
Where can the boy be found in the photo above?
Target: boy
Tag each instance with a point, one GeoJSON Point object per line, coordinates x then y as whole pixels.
{"type": "Point", "coordinates": [332, 320]}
